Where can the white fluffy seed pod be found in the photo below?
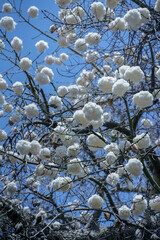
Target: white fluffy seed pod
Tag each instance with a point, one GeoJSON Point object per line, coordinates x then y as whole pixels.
{"type": "Point", "coordinates": [80, 118]}
{"type": "Point", "coordinates": [106, 84]}
{"type": "Point", "coordinates": [80, 45]}
{"type": "Point", "coordinates": [95, 201]}
{"type": "Point", "coordinates": [41, 46]}
{"type": "Point", "coordinates": [31, 110]}
{"type": "Point", "coordinates": [135, 74]}
{"type": "Point", "coordinates": [133, 19]}
{"type": "Point", "coordinates": [62, 184]}
{"type": "Point", "coordinates": [35, 147]}
{"type": "Point", "coordinates": [112, 147]}
{"type": "Point", "coordinates": [3, 135]}
{"type": "Point", "coordinates": [92, 111]}
{"type": "Point", "coordinates": [17, 88]}
{"type": "Point", "coordinates": [49, 59]}
{"type": "Point", "coordinates": [26, 211]}
{"type": "Point", "coordinates": [62, 91]}
{"type": "Point", "coordinates": [124, 212]}
{"type": "Point", "coordinates": [155, 203]}
{"type": "Point", "coordinates": [134, 166]}
{"type": "Point", "coordinates": [95, 143]}
{"type": "Point", "coordinates": [61, 151]}
{"type": "Point", "coordinates": [8, 23]}
{"type": "Point", "coordinates": [112, 3]}
{"type": "Point", "coordinates": [55, 102]}
{"type": "Point", "coordinates": [7, 8]}
{"type": "Point", "coordinates": [2, 99]}
{"type": "Point", "coordinates": [112, 178]}
{"type": "Point", "coordinates": [142, 140]}
{"type": "Point", "coordinates": [64, 56]}
{"type": "Point", "coordinates": [33, 12]}
{"type": "Point", "coordinates": [139, 205]}
{"type": "Point", "coordinates": [3, 83]}
{"type": "Point", "coordinates": [11, 188]}
{"type": "Point", "coordinates": [75, 166]}
{"type": "Point", "coordinates": [98, 10]}
{"type": "Point", "coordinates": [17, 44]}
{"type": "Point", "coordinates": [25, 63]}
{"type": "Point", "coordinates": [143, 99]}
{"type": "Point", "coordinates": [45, 153]}
{"type": "Point", "coordinates": [8, 108]}
{"type": "Point", "coordinates": [157, 6]}
{"type": "Point", "coordinates": [2, 45]}
{"type": "Point", "coordinates": [146, 122]}
{"type": "Point", "coordinates": [120, 87]}
{"type": "Point", "coordinates": [23, 147]}
{"type": "Point", "coordinates": [93, 38]}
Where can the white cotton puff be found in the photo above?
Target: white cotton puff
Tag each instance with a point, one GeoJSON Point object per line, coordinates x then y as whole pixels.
{"type": "Point", "coordinates": [7, 107]}
{"type": "Point", "coordinates": [17, 44]}
{"type": "Point", "coordinates": [2, 99]}
{"type": "Point", "coordinates": [72, 19]}
{"type": "Point", "coordinates": [92, 111]}
{"type": "Point", "coordinates": [118, 59]}
{"type": "Point", "coordinates": [35, 147]}
{"type": "Point", "coordinates": [62, 91]}
{"type": "Point", "coordinates": [146, 122]}
{"type": "Point", "coordinates": [8, 23]}
{"type": "Point", "coordinates": [62, 184]}
{"type": "Point", "coordinates": [17, 88]}
{"type": "Point", "coordinates": [42, 78]}
{"type": "Point", "coordinates": [95, 143]}
{"type": "Point", "coordinates": [3, 135]}
{"type": "Point", "coordinates": [134, 166]}
{"type": "Point", "coordinates": [118, 24]}
{"type": "Point", "coordinates": [143, 99]}
{"type": "Point", "coordinates": [75, 166]}
{"type": "Point", "coordinates": [64, 56]}
{"type": "Point", "coordinates": [112, 147]}
{"type": "Point", "coordinates": [112, 178]}
{"type": "Point", "coordinates": [48, 72]}
{"type": "Point", "coordinates": [40, 170]}
{"type": "Point", "coordinates": [145, 15]}
{"type": "Point", "coordinates": [49, 59]}
{"type": "Point", "coordinates": [63, 13]}
{"type": "Point", "coordinates": [33, 12]}
{"type": "Point", "coordinates": [139, 205]}
{"type": "Point", "coordinates": [71, 37]}
{"type": "Point", "coordinates": [2, 45]}
{"type": "Point", "coordinates": [158, 74]}
{"type": "Point", "coordinates": [45, 153]}
{"type": "Point", "coordinates": [26, 211]}
{"type": "Point", "coordinates": [7, 8]}
{"type": "Point", "coordinates": [80, 118]}
{"type": "Point", "coordinates": [80, 45]}
{"type": "Point", "coordinates": [135, 74]}
{"type": "Point", "coordinates": [56, 225]}
{"type": "Point", "coordinates": [3, 84]}
{"type": "Point", "coordinates": [133, 19]}
{"type": "Point", "coordinates": [62, 3]}
{"type": "Point", "coordinates": [155, 203]}
{"type": "Point", "coordinates": [58, 61]}
{"type": "Point", "coordinates": [91, 56]}
{"type": "Point", "coordinates": [55, 102]}
{"type": "Point", "coordinates": [142, 140]}
{"type": "Point", "coordinates": [97, 124]}
{"type": "Point", "coordinates": [72, 151]}
{"type": "Point", "coordinates": [157, 6]}
{"type": "Point", "coordinates": [62, 41]}
{"type": "Point", "coordinates": [93, 38]}
{"type": "Point", "coordinates": [61, 151]}
{"type": "Point", "coordinates": [120, 87]}
{"type": "Point", "coordinates": [112, 3]}
{"type": "Point", "coordinates": [122, 70]}
{"type": "Point", "coordinates": [124, 145]}
{"type": "Point", "coordinates": [25, 63]}
{"type": "Point", "coordinates": [16, 117]}
{"type": "Point", "coordinates": [31, 110]}
{"type": "Point", "coordinates": [95, 201]}
{"type": "Point", "coordinates": [70, 139]}
{"type": "Point", "coordinates": [110, 158]}
{"type": "Point", "coordinates": [106, 116]}
{"type": "Point", "coordinates": [107, 57]}
{"type": "Point", "coordinates": [73, 91]}
{"type": "Point", "coordinates": [23, 147]}
{"type": "Point", "coordinates": [98, 10]}
{"type": "Point", "coordinates": [11, 188]}
{"type": "Point", "coordinates": [79, 11]}
{"type": "Point", "coordinates": [106, 83]}
{"type": "Point", "coordinates": [41, 46]}
{"type": "Point", "coordinates": [124, 212]}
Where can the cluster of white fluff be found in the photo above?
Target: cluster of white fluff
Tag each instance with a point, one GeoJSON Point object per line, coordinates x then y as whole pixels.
{"type": "Point", "coordinates": [17, 44]}
{"type": "Point", "coordinates": [80, 118]}
{"type": "Point", "coordinates": [40, 170]}
{"type": "Point", "coordinates": [7, 107]}
{"type": "Point", "coordinates": [31, 110]}
{"type": "Point", "coordinates": [44, 75]}
{"type": "Point", "coordinates": [85, 79]}
{"type": "Point", "coordinates": [95, 143]}
{"type": "Point", "coordinates": [93, 38]}
{"type": "Point", "coordinates": [72, 19]}
{"type": "Point", "coordinates": [62, 184]}
{"type": "Point", "coordinates": [55, 102]}
{"type": "Point", "coordinates": [72, 151]}
{"type": "Point", "coordinates": [8, 23]}
{"type": "Point", "coordinates": [112, 147]}
{"type": "Point", "coordinates": [3, 135]}
{"type": "Point", "coordinates": [137, 17]}
{"type": "Point", "coordinates": [41, 46]}
{"type": "Point", "coordinates": [106, 84]}
{"type": "Point", "coordinates": [2, 99]}
{"type": "Point", "coordinates": [62, 41]}
{"type": "Point", "coordinates": [95, 201]}
{"type": "Point", "coordinates": [112, 178]}
{"type": "Point", "coordinates": [75, 166]}
{"type": "Point", "coordinates": [2, 45]}
{"type": "Point", "coordinates": [155, 203]}
{"type": "Point", "coordinates": [85, 216]}
{"type": "Point", "coordinates": [139, 205]}
{"type": "Point", "coordinates": [110, 158]}
{"type": "Point", "coordinates": [157, 5]}
{"type": "Point", "coordinates": [23, 147]}
{"type": "Point", "coordinates": [45, 153]}
{"type": "Point", "coordinates": [64, 56]}
{"type": "Point", "coordinates": [7, 8]}
{"type": "Point", "coordinates": [80, 45]}
{"type": "Point", "coordinates": [33, 12]}
{"type": "Point", "coordinates": [56, 225]}
{"type": "Point", "coordinates": [25, 63]}
{"type": "Point", "coordinates": [91, 56]}
{"type": "Point", "coordinates": [58, 61]}
{"type": "Point", "coordinates": [3, 83]}
{"type": "Point", "coordinates": [107, 57]}
{"type": "Point", "coordinates": [79, 11]}
{"type": "Point", "coordinates": [112, 3]}
{"type": "Point", "coordinates": [49, 59]}
{"type": "Point", "coordinates": [118, 24]}
{"type": "Point", "coordinates": [35, 147]}
{"type": "Point", "coordinates": [92, 111]}
{"type": "Point", "coordinates": [17, 88]}
{"type": "Point", "coordinates": [146, 122]}
{"type": "Point", "coordinates": [61, 151]}
{"type": "Point", "coordinates": [62, 91]}
{"type": "Point", "coordinates": [16, 117]}
{"type": "Point", "coordinates": [62, 3]}
{"type": "Point", "coordinates": [98, 10]}
{"type": "Point", "coordinates": [124, 145]}
{"type": "Point", "coordinates": [135, 74]}
{"type": "Point", "coordinates": [118, 59]}
{"type": "Point", "coordinates": [142, 140]}
{"type": "Point", "coordinates": [11, 188]}
{"type": "Point", "coordinates": [143, 99]}
{"type": "Point", "coordinates": [124, 212]}
{"type": "Point", "coordinates": [120, 87]}
{"type": "Point", "coordinates": [134, 166]}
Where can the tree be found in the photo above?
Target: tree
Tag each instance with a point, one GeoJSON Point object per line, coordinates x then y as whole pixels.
{"type": "Point", "coordinates": [80, 159]}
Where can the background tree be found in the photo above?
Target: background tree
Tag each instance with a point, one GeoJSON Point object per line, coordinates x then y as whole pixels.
{"type": "Point", "coordinates": [79, 125]}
